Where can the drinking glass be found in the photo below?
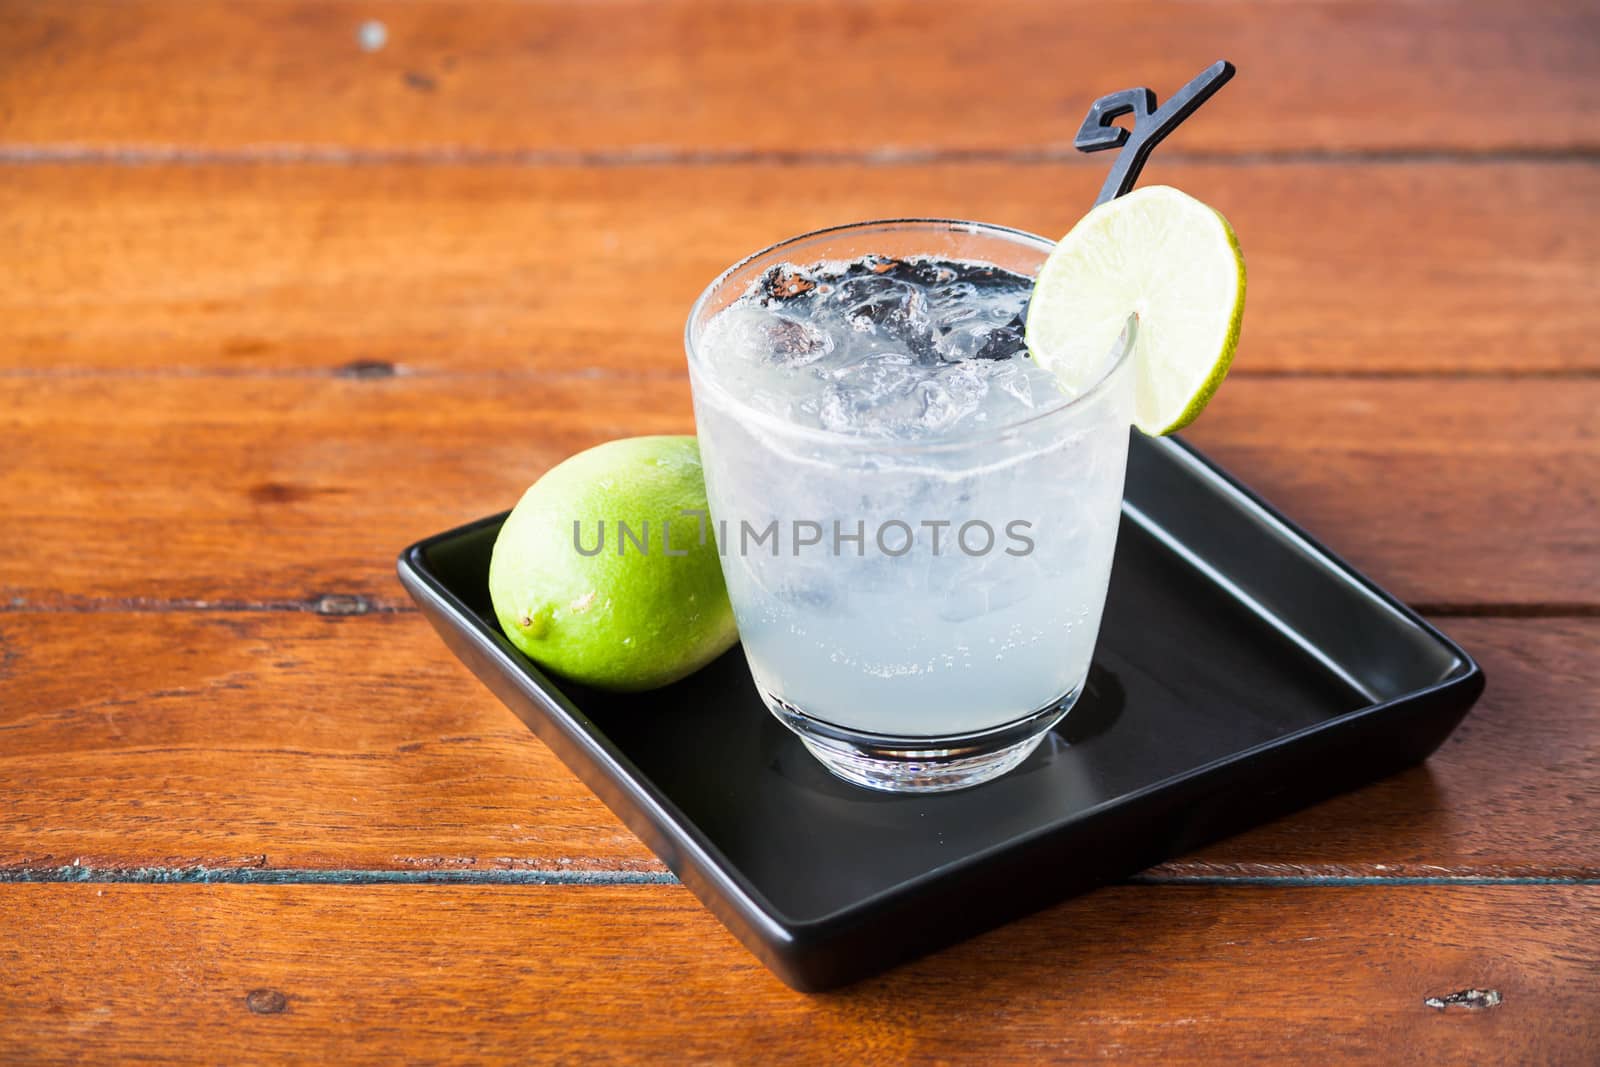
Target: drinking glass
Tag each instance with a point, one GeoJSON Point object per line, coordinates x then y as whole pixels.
{"type": "Point", "coordinates": [928, 607]}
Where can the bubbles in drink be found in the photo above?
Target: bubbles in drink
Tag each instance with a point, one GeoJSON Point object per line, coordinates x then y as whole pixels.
{"type": "Point", "coordinates": [883, 347]}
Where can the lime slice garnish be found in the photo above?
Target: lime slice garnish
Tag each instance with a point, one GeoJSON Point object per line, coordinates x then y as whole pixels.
{"type": "Point", "coordinates": [1172, 260]}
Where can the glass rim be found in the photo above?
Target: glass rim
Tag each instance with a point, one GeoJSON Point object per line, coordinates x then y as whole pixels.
{"type": "Point", "coordinates": [1117, 360]}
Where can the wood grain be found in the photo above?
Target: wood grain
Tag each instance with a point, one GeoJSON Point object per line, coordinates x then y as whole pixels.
{"type": "Point", "coordinates": [198, 744]}
{"type": "Point", "coordinates": [639, 78]}
{"type": "Point", "coordinates": [268, 490]}
{"type": "Point", "coordinates": [580, 270]}
{"type": "Point", "coordinates": [275, 739]}
{"type": "Point", "coordinates": [274, 303]}
{"type": "Point", "coordinates": [1184, 975]}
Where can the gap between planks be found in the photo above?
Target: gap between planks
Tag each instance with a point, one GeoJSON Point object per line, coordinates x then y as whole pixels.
{"type": "Point", "coordinates": [337, 155]}
{"type": "Point", "coordinates": [564, 877]}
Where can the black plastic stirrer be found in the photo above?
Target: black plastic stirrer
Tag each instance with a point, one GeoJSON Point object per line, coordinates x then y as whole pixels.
{"type": "Point", "coordinates": [1150, 125]}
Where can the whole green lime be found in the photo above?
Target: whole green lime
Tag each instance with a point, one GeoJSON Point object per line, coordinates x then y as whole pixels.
{"type": "Point", "coordinates": [601, 576]}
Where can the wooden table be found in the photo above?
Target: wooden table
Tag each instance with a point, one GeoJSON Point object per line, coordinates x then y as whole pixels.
{"type": "Point", "coordinates": [285, 286]}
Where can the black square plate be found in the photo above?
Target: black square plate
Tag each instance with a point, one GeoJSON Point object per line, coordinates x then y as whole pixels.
{"type": "Point", "coordinates": [1242, 671]}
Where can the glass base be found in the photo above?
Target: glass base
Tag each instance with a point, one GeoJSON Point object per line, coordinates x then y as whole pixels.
{"type": "Point", "coordinates": [922, 764]}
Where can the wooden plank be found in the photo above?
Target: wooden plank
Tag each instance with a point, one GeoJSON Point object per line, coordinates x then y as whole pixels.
{"type": "Point", "coordinates": [181, 743]}
{"type": "Point", "coordinates": [284, 489]}
{"type": "Point", "coordinates": [581, 270]}
{"type": "Point", "coordinates": [1513, 792]}
{"type": "Point", "coordinates": [275, 740]}
{"type": "Point", "coordinates": [508, 974]}
{"type": "Point", "coordinates": [1429, 487]}
{"type": "Point", "coordinates": [639, 78]}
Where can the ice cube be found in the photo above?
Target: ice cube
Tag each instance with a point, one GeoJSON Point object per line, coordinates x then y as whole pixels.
{"type": "Point", "coordinates": [1001, 344]}
{"type": "Point", "coordinates": [875, 397]}
{"type": "Point", "coordinates": [889, 311]}
{"type": "Point", "coordinates": [791, 343]}
{"type": "Point", "coordinates": [873, 301]}
{"type": "Point", "coordinates": [977, 339]}
{"type": "Point", "coordinates": [962, 341]}
{"type": "Point", "coordinates": [757, 334]}
{"type": "Point", "coordinates": [785, 282]}
{"type": "Point", "coordinates": [952, 304]}
{"type": "Point", "coordinates": [953, 394]}
{"type": "Point", "coordinates": [1012, 378]}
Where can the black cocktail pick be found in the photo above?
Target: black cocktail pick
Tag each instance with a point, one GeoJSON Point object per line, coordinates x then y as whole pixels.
{"type": "Point", "coordinates": [1150, 125]}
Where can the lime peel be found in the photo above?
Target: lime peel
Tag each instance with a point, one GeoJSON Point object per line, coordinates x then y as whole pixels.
{"type": "Point", "coordinates": [624, 618]}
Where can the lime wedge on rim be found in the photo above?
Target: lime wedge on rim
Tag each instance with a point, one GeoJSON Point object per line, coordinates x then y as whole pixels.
{"type": "Point", "coordinates": [1169, 258]}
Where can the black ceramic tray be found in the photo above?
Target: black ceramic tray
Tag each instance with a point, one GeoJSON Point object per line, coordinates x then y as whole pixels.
{"type": "Point", "coordinates": [1242, 671]}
